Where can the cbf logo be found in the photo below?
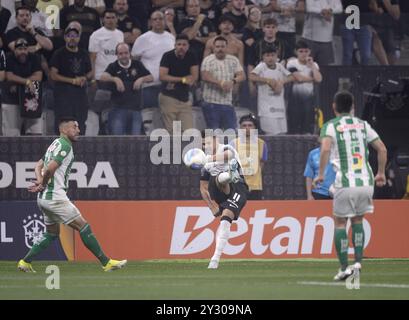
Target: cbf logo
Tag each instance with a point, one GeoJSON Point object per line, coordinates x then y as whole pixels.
{"type": "Point", "coordinates": [34, 228]}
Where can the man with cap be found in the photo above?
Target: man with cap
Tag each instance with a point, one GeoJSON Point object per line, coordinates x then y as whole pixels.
{"type": "Point", "coordinates": [23, 72]}
{"type": "Point", "coordinates": [70, 69]}
{"type": "Point", "coordinates": [234, 46]}
{"type": "Point", "coordinates": [253, 154]}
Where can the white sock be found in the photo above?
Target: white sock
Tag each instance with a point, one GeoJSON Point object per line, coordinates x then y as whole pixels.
{"type": "Point", "coordinates": [222, 236]}
{"type": "Point", "coordinates": [223, 178]}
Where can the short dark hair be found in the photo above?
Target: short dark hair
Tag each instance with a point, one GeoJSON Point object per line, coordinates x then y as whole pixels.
{"type": "Point", "coordinates": [225, 18]}
{"type": "Point", "coordinates": [301, 44]}
{"type": "Point", "coordinates": [249, 117]}
{"type": "Point", "coordinates": [22, 8]}
{"type": "Point", "coordinates": [270, 21]}
{"type": "Point", "coordinates": [344, 101]}
{"type": "Point", "coordinates": [220, 38]}
{"type": "Point", "coordinates": [65, 120]}
{"type": "Point", "coordinates": [109, 11]}
{"type": "Point", "coordinates": [269, 49]}
{"type": "Point", "coordinates": [187, 2]}
{"type": "Point", "coordinates": [182, 36]}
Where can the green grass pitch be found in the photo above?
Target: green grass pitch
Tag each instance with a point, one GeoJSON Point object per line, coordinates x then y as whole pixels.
{"type": "Point", "coordinates": [190, 279]}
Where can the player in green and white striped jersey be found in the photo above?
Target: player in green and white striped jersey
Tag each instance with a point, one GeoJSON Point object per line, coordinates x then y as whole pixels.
{"type": "Point", "coordinates": [345, 143]}
{"type": "Point", "coordinates": [52, 173]}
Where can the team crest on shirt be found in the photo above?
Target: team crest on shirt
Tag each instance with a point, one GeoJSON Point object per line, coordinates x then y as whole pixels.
{"type": "Point", "coordinates": [128, 25]}
{"type": "Point", "coordinates": [133, 72]}
{"type": "Point", "coordinates": [34, 228]}
{"type": "Point", "coordinates": [340, 128]}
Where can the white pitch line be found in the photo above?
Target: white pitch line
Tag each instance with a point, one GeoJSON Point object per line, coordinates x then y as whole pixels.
{"type": "Point", "coordinates": [368, 285]}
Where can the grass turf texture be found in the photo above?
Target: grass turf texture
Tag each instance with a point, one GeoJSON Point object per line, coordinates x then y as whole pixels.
{"type": "Point", "coordinates": [191, 280]}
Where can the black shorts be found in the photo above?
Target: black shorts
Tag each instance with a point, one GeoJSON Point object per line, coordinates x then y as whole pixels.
{"type": "Point", "coordinates": [234, 201]}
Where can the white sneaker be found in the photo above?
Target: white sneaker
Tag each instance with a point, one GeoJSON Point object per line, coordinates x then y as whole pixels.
{"type": "Point", "coordinates": [234, 175]}
{"type": "Point", "coordinates": [343, 275]}
{"type": "Point", "coordinates": [356, 270]}
{"type": "Point", "coordinates": [213, 264]}
{"type": "Point", "coordinates": [357, 266]}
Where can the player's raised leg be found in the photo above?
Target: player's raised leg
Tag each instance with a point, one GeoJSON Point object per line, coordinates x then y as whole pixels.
{"type": "Point", "coordinates": [230, 176]}
{"type": "Point", "coordinates": [222, 237]}
{"type": "Point", "coordinates": [52, 233]}
{"type": "Point", "coordinates": [92, 244]}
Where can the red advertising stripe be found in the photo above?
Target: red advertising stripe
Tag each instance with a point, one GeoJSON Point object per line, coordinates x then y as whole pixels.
{"type": "Point", "coordinates": [266, 229]}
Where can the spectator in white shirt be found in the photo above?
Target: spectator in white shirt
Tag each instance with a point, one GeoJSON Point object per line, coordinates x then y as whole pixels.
{"type": "Point", "coordinates": [270, 77]}
{"type": "Point", "coordinates": [102, 45]}
{"type": "Point", "coordinates": [103, 42]}
{"type": "Point", "coordinates": [319, 28]}
{"type": "Point", "coordinates": [149, 49]}
{"type": "Point", "coordinates": [301, 104]}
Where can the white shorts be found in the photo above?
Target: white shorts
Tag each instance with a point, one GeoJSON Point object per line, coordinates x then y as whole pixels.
{"type": "Point", "coordinates": [352, 202]}
{"type": "Point", "coordinates": [273, 126]}
{"type": "Point", "coordinates": [58, 211]}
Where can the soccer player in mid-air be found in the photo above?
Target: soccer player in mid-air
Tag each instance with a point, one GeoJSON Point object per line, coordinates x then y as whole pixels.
{"type": "Point", "coordinates": [223, 188]}
{"type": "Point", "coordinates": [345, 141]}
{"type": "Point", "coordinates": [51, 183]}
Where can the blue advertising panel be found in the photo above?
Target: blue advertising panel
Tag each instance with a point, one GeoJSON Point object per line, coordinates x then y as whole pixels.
{"type": "Point", "coordinates": [21, 226]}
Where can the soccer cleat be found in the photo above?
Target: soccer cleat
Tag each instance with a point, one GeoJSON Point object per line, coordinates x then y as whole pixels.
{"type": "Point", "coordinates": [209, 165]}
{"type": "Point", "coordinates": [357, 266]}
{"type": "Point", "coordinates": [114, 265]}
{"type": "Point", "coordinates": [343, 275]}
{"type": "Point", "coordinates": [213, 264]}
{"type": "Point", "coordinates": [234, 175]}
{"type": "Point", "coordinates": [356, 269]}
{"type": "Point", "coordinates": [25, 266]}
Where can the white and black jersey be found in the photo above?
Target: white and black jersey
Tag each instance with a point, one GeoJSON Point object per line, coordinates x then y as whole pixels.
{"type": "Point", "coordinates": [220, 167]}
{"type": "Point", "coordinates": [237, 198]}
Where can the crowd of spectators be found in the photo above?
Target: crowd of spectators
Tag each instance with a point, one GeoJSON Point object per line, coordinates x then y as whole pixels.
{"type": "Point", "coordinates": [105, 62]}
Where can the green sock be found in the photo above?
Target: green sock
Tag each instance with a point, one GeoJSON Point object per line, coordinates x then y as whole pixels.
{"type": "Point", "coordinates": [358, 239]}
{"type": "Point", "coordinates": [40, 246]}
{"type": "Point", "coordinates": [92, 244]}
{"type": "Point", "coordinates": [341, 244]}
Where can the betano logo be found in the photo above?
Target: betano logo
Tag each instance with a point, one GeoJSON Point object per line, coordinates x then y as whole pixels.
{"type": "Point", "coordinates": [262, 234]}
